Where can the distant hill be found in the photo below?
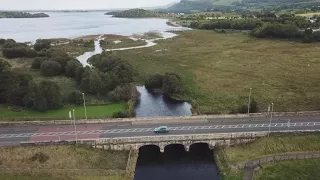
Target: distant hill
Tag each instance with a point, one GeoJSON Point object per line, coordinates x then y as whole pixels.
{"type": "Point", "coordinates": [190, 5]}
{"type": "Point", "coordinates": [16, 14]}
{"type": "Point", "coordinates": [204, 5]}
{"type": "Point", "coordinates": [135, 13]}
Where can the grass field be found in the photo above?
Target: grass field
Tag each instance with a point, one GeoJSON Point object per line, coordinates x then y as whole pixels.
{"type": "Point", "coordinates": [309, 14]}
{"type": "Point", "coordinates": [74, 48]}
{"type": "Point", "coordinates": [219, 69]}
{"type": "Point", "coordinates": [273, 145]}
{"type": "Point", "coordinates": [123, 42]}
{"type": "Point", "coordinates": [293, 170]}
{"type": "Point", "coordinates": [64, 158]}
{"type": "Point", "coordinates": [102, 111]}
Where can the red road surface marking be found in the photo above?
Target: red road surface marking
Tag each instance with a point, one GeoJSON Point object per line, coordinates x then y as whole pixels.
{"type": "Point", "coordinates": [66, 137]}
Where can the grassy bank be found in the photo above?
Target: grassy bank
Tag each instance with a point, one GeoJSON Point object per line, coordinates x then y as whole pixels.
{"type": "Point", "coordinates": [228, 156]}
{"type": "Point", "coordinates": [273, 145]}
{"type": "Point", "coordinates": [293, 170]}
{"type": "Point", "coordinates": [219, 69]}
{"type": "Point", "coordinates": [117, 41]}
{"type": "Point", "coordinates": [102, 111]}
{"type": "Point", "coordinates": [64, 158]}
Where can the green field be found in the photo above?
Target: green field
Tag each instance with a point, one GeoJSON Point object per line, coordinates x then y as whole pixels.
{"type": "Point", "coordinates": [293, 170]}
{"type": "Point", "coordinates": [273, 145]}
{"type": "Point", "coordinates": [219, 69]}
{"type": "Point", "coordinates": [309, 14]}
{"type": "Point", "coordinates": [64, 158]}
{"type": "Point", "coordinates": [102, 111]}
{"type": "Point", "coordinates": [226, 156]}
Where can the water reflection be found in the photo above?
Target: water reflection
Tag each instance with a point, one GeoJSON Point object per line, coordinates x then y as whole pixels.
{"type": "Point", "coordinates": [155, 105]}
{"type": "Point", "coordinates": [176, 163]}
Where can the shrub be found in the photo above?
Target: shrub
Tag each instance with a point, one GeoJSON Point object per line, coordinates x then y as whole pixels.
{"type": "Point", "coordinates": [40, 156]}
{"type": "Point", "coordinates": [75, 97]}
{"type": "Point", "coordinates": [119, 114]}
{"type": "Point", "coordinates": [154, 82]}
{"type": "Point", "coordinates": [172, 83]}
{"type": "Point", "coordinates": [71, 68]}
{"type": "Point", "coordinates": [18, 51]}
{"type": "Point", "coordinates": [36, 63]}
{"type": "Point", "coordinates": [42, 44]}
{"type": "Point", "coordinates": [50, 68]}
{"type": "Point", "coordinates": [254, 108]}
{"type": "Point", "coordinates": [125, 93]}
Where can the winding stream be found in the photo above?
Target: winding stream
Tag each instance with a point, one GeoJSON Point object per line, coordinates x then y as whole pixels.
{"type": "Point", "coordinates": [150, 104]}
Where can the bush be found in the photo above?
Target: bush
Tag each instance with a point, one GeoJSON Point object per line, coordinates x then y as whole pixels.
{"type": "Point", "coordinates": [71, 68]}
{"type": "Point", "coordinates": [254, 108]}
{"type": "Point", "coordinates": [18, 51]}
{"type": "Point", "coordinates": [36, 63]}
{"type": "Point", "coordinates": [119, 114]}
{"type": "Point", "coordinates": [154, 82]}
{"type": "Point", "coordinates": [40, 156]}
{"type": "Point", "coordinates": [44, 96]}
{"type": "Point", "coordinates": [125, 93]}
{"type": "Point", "coordinates": [276, 30]}
{"type": "Point", "coordinates": [42, 44]}
{"type": "Point", "coordinates": [50, 68]}
{"type": "Point", "coordinates": [172, 83]}
{"type": "Point", "coordinates": [75, 97]}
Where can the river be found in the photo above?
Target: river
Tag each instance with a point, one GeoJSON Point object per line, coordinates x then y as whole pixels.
{"type": "Point", "coordinates": [76, 24]}
{"type": "Point", "coordinates": [176, 163]}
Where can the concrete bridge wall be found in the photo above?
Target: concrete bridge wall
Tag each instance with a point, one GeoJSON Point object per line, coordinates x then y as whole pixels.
{"type": "Point", "coordinates": [134, 143]}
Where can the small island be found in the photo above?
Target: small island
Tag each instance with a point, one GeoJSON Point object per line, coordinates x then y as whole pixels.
{"type": "Point", "coordinates": [17, 14]}
{"type": "Point", "coordinates": [134, 13]}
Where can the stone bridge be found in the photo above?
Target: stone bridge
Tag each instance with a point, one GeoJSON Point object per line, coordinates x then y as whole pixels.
{"type": "Point", "coordinates": [135, 143]}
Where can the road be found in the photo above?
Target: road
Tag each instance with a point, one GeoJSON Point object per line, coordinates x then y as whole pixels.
{"type": "Point", "coordinates": [13, 135]}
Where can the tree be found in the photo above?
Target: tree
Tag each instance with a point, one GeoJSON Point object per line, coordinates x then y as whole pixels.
{"type": "Point", "coordinates": [75, 97]}
{"type": "Point", "coordinates": [172, 83]}
{"type": "Point", "coordinates": [42, 44]}
{"type": "Point", "coordinates": [44, 96]}
{"type": "Point", "coordinates": [36, 63]}
{"type": "Point", "coordinates": [50, 68]}
{"type": "Point", "coordinates": [71, 68]}
{"type": "Point", "coordinates": [125, 93]}
{"type": "Point", "coordinates": [154, 82]}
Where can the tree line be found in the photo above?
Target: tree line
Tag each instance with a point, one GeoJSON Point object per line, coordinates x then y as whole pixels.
{"type": "Point", "coordinates": [267, 26]}
{"type": "Point", "coordinates": [109, 76]}
{"type": "Point", "coordinates": [17, 14]}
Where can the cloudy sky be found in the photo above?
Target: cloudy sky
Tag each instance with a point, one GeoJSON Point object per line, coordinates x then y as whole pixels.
{"type": "Point", "coordinates": [79, 4]}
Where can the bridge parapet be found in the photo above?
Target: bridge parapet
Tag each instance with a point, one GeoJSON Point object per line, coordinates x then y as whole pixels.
{"type": "Point", "coordinates": [134, 143]}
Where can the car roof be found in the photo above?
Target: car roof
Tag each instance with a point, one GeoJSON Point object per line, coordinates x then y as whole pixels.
{"type": "Point", "coordinates": [163, 127]}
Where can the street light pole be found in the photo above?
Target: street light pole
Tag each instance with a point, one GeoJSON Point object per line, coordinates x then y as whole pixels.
{"type": "Point", "coordinates": [75, 127]}
{"type": "Point", "coordinates": [270, 118]}
{"type": "Point", "coordinates": [84, 105]}
{"type": "Point", "coordinates": [249, 101]}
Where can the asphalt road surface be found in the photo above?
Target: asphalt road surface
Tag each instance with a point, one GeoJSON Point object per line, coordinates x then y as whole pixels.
{"type": "Point", "coordinates": [13, 135]}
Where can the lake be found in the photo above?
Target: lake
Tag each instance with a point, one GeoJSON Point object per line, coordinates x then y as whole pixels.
{"type": "Point", "coordinates": [75, 24]}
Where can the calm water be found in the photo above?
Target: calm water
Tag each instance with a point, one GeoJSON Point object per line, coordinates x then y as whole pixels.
{"type": "Point", "coordinates": [68, 25]}
{"type": "Point", "coordinates": [176, 164]}
{"type": "Point", "coordinates": [154, 105]}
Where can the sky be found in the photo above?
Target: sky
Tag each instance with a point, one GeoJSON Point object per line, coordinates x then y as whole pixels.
{"type": "Point", "coordinates": [79, 4]}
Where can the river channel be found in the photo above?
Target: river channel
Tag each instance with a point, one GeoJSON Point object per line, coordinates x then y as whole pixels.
{"type": "Point", "coordinates": [176, 163]}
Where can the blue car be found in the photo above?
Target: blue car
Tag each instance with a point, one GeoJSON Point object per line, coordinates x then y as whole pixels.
{"type": "Point", "coordinates": [161, 129]}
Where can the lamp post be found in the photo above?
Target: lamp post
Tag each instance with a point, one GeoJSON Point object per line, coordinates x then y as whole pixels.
{"type": "Point", "coordinates": [75, 127]}
{"type": "Point", "coordinates": [84, 105]}
{"type": "Point", "coordinates": [270, 118]}
{"type": "Point", "coordinates": [249, 101]}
